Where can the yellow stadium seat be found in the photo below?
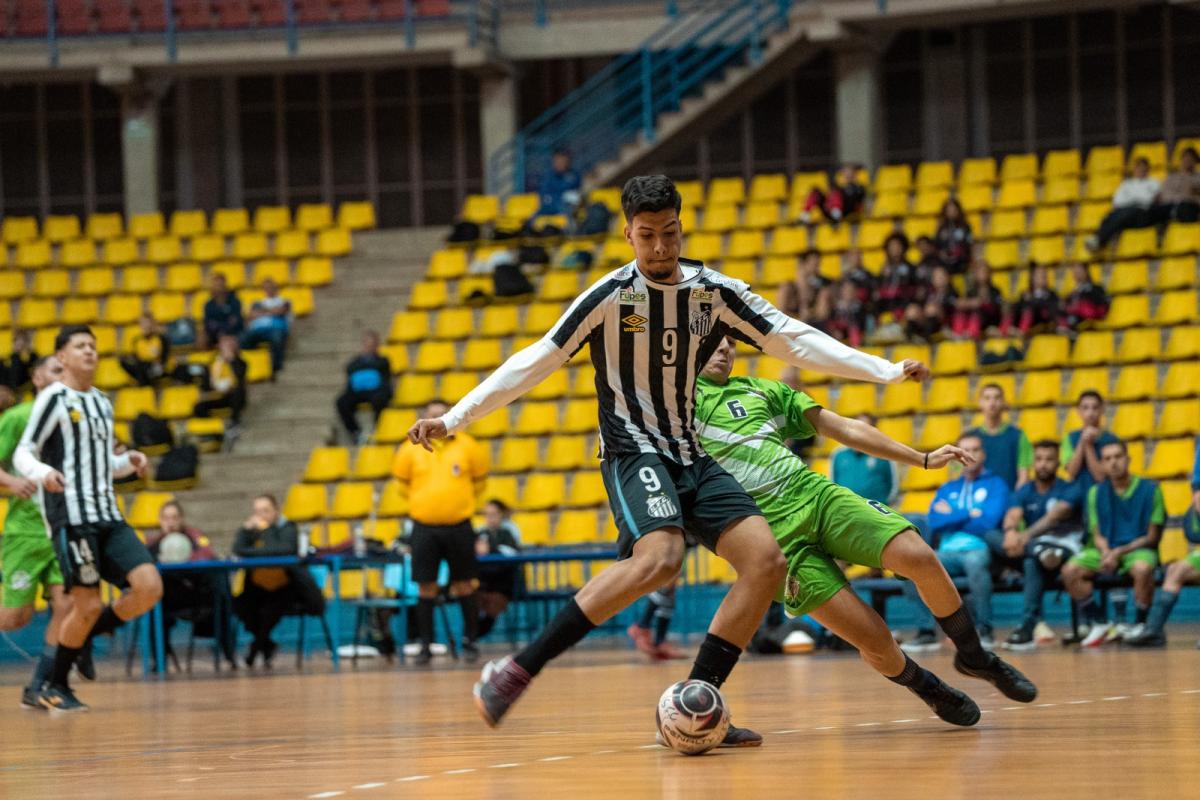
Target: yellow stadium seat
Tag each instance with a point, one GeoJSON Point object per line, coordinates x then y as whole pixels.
{"type": "Point", "coordinates": [948, 394]}
{"type": "Point", "coordinates": [1088, 378]}
{"type": "Point", "coordinates": [428, 294]}
{"type": "Point", "coordinates": [315, 216]}
{"type": "Point", "coordinates": [480, 209]}
{"type": "Point", "coordinates": [1006, 225]}
{"type": "Point", "coordinates": [873, 233]}
{"type": "Point", "coordinates": [1002, 254]}
{"type": "Point", "coordinates": [1019, 167]}
{"type": "Point", "coordinates": [143, 513]}
{"type": "Point", "coordinates": [566, 453]}
{"type": "Point", "coordinates": [121, 251]}
{"type": "Point", "coordinates": [482, 354]}
{"type": "Point", "coordinates": [916, 227]}
{"type": "Point", "coordinates": [77, 253]}
{"type": "Point", "coordinates": [397, 356]}
{"type": "Point", "coordinates": [536, 419]}
{"type": "Point", "coordinates": [976, 198]}
{"type": "Point", "coordinates": [580, 416]}
{"type": "Point", "coordinates": [447, 265]}
{"type": "Point", "coordinates": [188, 223]}
{"type": "Point", "coordinates": [769, 187]}
{"type": "Point", "coordinates": [1047, 250]}
{"type": "Point", "coordinates": [1127, 311]}
{"type": "Point", "coordinates": [898, 428]}
{"type": "Point", "coordinates": [1177, 272]}
{"type": "Point", "coordinates": [352, 500]}
{"type": "Point", "coordinates": [616, 251]}
{"type": "Point", "coordinates": [1183, 342]}
{"type": "Point", "coordinates": [761, 214]}
{"type": "Point", "coordinates": [456, 384]}
{"type": "Point", "coordinates": [541, 317]}
{"type": "Point", "coordinates": [453, 324]}
{"type": "Point", "coordinates": [36, 313]}
{"type": "Point", "coordinates": [587, 489]}
{"type": "Point", "coordinates": [901, 398]}
{"type": "Point", "coordinates": [409, 326]}
{"type": "Point", "coordinates": [890, 205]}
{"type": "Point", "coordinates": [13, 284]}
{"type": "Point", "coordinates": [777, 270]}
{"type": "Point", "coordinates": [356, 215]}
{"type": "Point", "coordinates": [393, 502]}
{"type": "Point", "coordinates": [831, 239]}
{"type": "Point", "coordinates": [934, 175]}
{"type": "Point", "coordinates": [1093, 347]}
{"type": "Point", "coordinates": [555, 387]}
{"type": "Point", "coordinates": [415, 390]}
{"type": "Point", "coordinates": [929, 202]}
{"type": "Point", "coordinates": [163, 249]}
{"type": "Point", "coordinates": [726, 190]}
{"type": "Point", "coordinates": [1138, 243]}
{"type": "Point", "coordinates": [1017, 194]}
{"type": "Point", "coordinates": [1139, 344]}
{"type": "Point", "coordinates": [1172, 458]}
{"type": "Point", "coordinates": [974, 171]}
{"type": "Point", "coordinates": [1182, 380]}
{"type": "Point", "coordinates": [146, 226]}
{"type": "Point", "coordinates": [327, 464]}
{"type": "Point", "coordinates": [168, 306]}
{"type": "Point", "coordinates": [183, 277]}
{"type": "Point", "coordinates": [79, 311]}
{"type": "Point", "coordinates": [857, 398]}
{"type": "Point", "coordinates": [1101, 186]}
{"type": "Point", "coordinates": [277, 269]}
{"type": "Point", "coordinates": [1061, 164]}
{"type": "Point", "coordinates": [1060, 190]}
{"type": "Point", "coordinates": [139, 279]}
{"type": "Point", "coordinates": [1154, 152]}
{"type": "Point", "coordinates": [434, 356]}
{"type": "Point", "coordinates": [258, 365]}
{"type": "Point", "coordinates": [691, 192]}
{"type": "Point", "coordinates": [373, 462]}
{"type": "Point", "coordinates": [788, 241]}
{"type": "Point", "coordinates": [703, 246]}
{"type": "Point", "coordinates": [1181, 238]}
{"type": "Point", "coordinates": [1087, 219]}
{"type": "Point", "coordinates": [178, 402]}
{"type": "Point", "coordinates": [133, 401]}
{"type": "Point", "coordinates": [490, 427]}
{"type": "Point", "coordinates": [270, 219]}
{"type": "Point", "coordinates": [14, 230]}
{"type": "Point", "coordinates": [306, 502]}
{"type": "Point", "coordinates": [921, 480]}
{"type": "Point", "coordinates": [499, 321]}
{"type": "Point", "coordinates": [1040, 388]}
{"type": "Point", "coordinates": [52, 283]}
{"type": "Point", "coordinates": [393, 425]}
{"type": "Point", "coordinates": [517, 455]}
{"type": "Point", "coordinates": [746, 244]}
{"type": "Point", "coordinates": [234, 272]}
{"type": "Point", "coordinates": [938, 430]}
{"type": "Point", "coordinates": [1040, 423]}
{"type": "Point", "coordinates": [542, 491]}
{"type": "Point", "coordinates": [893, 178]}
{"type": "Point", "coordinates": [59, 228]}
{"type": "Point", "coordinates": [33, 254]}
{"type": "Point", "coordinates": [1128, 277]}
{"type": "Point", "coordinates": [520, 207]}
{"type": "Point", "coordinates": [110, 376]}
{"type": "Point", "coordinates": [314, 271]}
{"type": "Point", "coordinates": [915, 502]}
{"type": "Point", "coordinates": [1179, 418]}
{"type": "Point", "coordinates": [230, 221]}
{"type": "Point", "coordinates": [1101, 159]}
{"type": "Point", "coordinates": [559, 285]}
{"type": "Point", "coordinates": [534, 525]}
{"type": "Point", "coordinates": [291, 244]}
{"type": "Point", "coordinates": [741, 269]}
{"type": "Point", "coordinates": [1176, 308]}
{"type": "Point", "coordinates": [575, 527]}
{"type": "Point", "coordinates": [250, 245]}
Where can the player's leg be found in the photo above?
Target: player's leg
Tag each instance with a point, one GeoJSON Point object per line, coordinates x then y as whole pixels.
{"type": "Point", "coordinates": [1141, 564]}
{"type": "Point", "coordinates": [464, 578]}
{"type": "Point", "coordinates": [664, 612]}
{"type": "Point", "coordinates": [641, 630]}
{"type": "Point", "coordinates": [427, 553]}
{"type": "Point", "coordinates": [1034, 574]}
{"type": "Point", "coordinates": [1077, 577]}
{"type": "Point", "coordinates": [1179, 573]}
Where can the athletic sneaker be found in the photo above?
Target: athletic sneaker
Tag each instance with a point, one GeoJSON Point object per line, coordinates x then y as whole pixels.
{"type": "Point", "coordinates": [84, 665]}
{"type": "Point", "coordinates": [60, 698]}
{"type": "Point", "coordinates": [1020, 639]}
{"type": "Point", "coordinates": [1043, 633]}
{"type": "Point", "coordinates": [642, 640]}
{"type": "Point", "coordinates": [423, 657]}
{"type": "Point", "coordinates": [734, 737]}
{"type": "Point", "coordinates": [986, 639]}
{"type": "Point", "coordinates": [1098, 634]}
{"type": "Point", "coordinates": [1004, 676]}
{"type": "Point", "coordinates": [950, 704]}
{"type": "Point", "coordinates": [1148, 639]}
{"type": "Point", "coordinates": [500, 684]}
{"type": "Point", "coordinates": [925, 642]}
{"type": "Point", "coordinates": [666, 651]}
{"type": "Point", "coordinates": [29, 698]}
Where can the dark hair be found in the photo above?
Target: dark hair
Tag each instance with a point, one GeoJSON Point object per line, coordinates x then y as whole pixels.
{"type": "Point", "coordinates": [40, 362]}
{"type": "Point", "coordinates": [812, 251]}
{"type": "Point", "coordinates": [649, 193]}
{"type": "Point", "coordinates": [896, 236]}
{"type": "Point", "coordinates": [926, 240]}
{"type": "Point", "coordinates": [1089, 393]}
{"type": "Point", "coordinates": [1046, 444]}
{"type": "Point", "coordinates": [498, 503]}
{"type": "Point", "coordinates": [971, 434]}
{"type": "Point", "coordinates": [270, 498]}
{"type": "Point", "coordinates": [995, 386]}
{"type": "Point", "coordinates": [67, 331]}
{"type": "Point", "coordinates": [1115, 443]}
{"type": "Point", "coordinates": [1142, 160]}
{"type": "Point", "coordinates": [962, 215]}
{"type": "Point", "coordinates": [175, 503]}
{"type": "Point", "coordinates": [437, 401]}
{"type": "Point", "coordinates": [1190, 151]}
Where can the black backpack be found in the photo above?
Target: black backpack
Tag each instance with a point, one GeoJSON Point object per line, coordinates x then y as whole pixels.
{"type": "Point", "coordinates": [178, 469]}
{"type": "Point", "coordinates": [510, 281]}
{"type": "Point", "coordinates": [151, 435]}
{"type": "Point", "coordinates": [464, 232]}
{"type": "Point", "coordinates": [596, 220]}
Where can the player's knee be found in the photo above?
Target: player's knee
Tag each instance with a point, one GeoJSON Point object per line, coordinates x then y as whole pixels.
{"type": "Point", "coordinates": [13, 618]}
{"type": "Point", "coordinates": [427, 591]}
{"type": "Point", "coordinates": [148, 587]}
{"type": "Point", "coordinates": [1141, 571]}
{"type": "Point", "coordinates": [87, 605]}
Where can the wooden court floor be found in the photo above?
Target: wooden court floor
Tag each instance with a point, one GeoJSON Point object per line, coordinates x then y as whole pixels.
{"type": "Point", "coordinates": [1108, 724]}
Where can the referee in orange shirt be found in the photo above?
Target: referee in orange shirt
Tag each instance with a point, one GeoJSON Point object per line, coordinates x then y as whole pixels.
{"type": "Point", "coordinates": [443, 487]}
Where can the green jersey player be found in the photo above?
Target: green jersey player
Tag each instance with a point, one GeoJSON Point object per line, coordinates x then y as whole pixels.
{"type": "Point", "coordinates": [744, 423]}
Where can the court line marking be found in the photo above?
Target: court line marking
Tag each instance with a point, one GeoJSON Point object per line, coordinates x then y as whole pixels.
{"type": "Point", "coordinates": [459, 771]}
{"type": "Point", "coordinates": [505, 766]}
{"type": "Point", "coordinates": [411, 778]}
{"type": "Point", "coordinates": [596, 753]}
{"type": "Point", "coordinates": [867, 724]}
{"type": "Point", "coordinates": [558, 758]}
{"type": "Point", "coordinates": [320, 795]}
{"type": "Point", "coordinates": [825, 728]}
{"type": "Point", "coordinates": [905, 720]}
{"type": "Point", "coordinates": [1045, 705]}
{"type": "Point", "coordinates": [650, 746]}
{"type": "Point", "coordinates": [1190, 691]}
{"type": "Point", "coordinates": [1154, 694]}
{"type": "Point", "coordinates": [369, 785]}
{"type": "Point", "coordinates": [784, 732]}
{"type": "Point", "coordinates": [1117, 697]}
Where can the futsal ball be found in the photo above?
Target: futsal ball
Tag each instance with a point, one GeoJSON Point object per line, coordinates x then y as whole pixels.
{"type": "Point", "coordinates": [174, 548]}
{"type": "Point", "coordinates": [692, 717]}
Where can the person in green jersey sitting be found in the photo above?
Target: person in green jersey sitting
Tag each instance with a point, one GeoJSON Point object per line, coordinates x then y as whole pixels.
{"type": "Point", "coordinates": [26, 552]}
{"type": "Point", "coordinates": [744, 423]}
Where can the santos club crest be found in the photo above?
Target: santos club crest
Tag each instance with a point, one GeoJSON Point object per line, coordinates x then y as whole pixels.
{"type": "Point", "coordinates": [660, 506]}
{"type": "Point", "coordinates": [700, 321]}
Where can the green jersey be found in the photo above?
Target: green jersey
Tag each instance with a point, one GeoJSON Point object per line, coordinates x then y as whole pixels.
{"type": "Point", "coordinates": [24, 517]}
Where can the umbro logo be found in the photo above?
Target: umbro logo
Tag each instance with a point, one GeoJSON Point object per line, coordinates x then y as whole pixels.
{"type": "Point", "coordinates": [634, 323]}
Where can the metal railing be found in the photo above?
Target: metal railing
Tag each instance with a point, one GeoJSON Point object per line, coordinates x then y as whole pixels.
{"type": "Point", "coordinates": [625, 99]}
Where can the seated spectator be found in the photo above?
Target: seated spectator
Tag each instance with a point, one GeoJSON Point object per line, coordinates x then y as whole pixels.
{"type": "Point", "coordinates": [202, 598]}
{"type": "Point", "coordinates": [272, 593]}
{"type": "Point", "coordinates": [867, 476]}
{"type": "Point", "coordinates": [1009, 453]}
{"type": "Point", "coordinates": [19, 370]}
{"type": "Point", "coordinates": [926, 319]}
{"type": "Point", "coordinates": [1186, 570]}
{"type": "Point", "coordinates": [844, 200]}
{"type": "Point", "coordinates": [797, 295]}
{"type": "Point", "coordinates": [854, 272]}
{"type": "Point", "coordinates": [1130, 206]}
{"type": "Point", "coordinates": [897, 286]}
{"type": "Point", "coordinates": [1178, 198]}
{"type": "Point", "coordinates": [149, 353]}
{"type": "Point", "coordinates": [368, 380]}
{"type": "Point", "coordinates": [222, 312]}
{"type": "Point", "coordinates": [497, 582]}
{"type": "Point", "coordinates": [1125, 517]}
{"type": "Point", "coordinates": [964, 512]}
{"type": "Point", "coordinates": [848, 322]}
{"type": "Point", "coordinates": [953, 238]}
{"type": "Point", "coordinates": [981, 308]}
{"type": "Point", "coordinates": [1037, 310]}
{"type": "Point", "coordinates": [1087, 302]}
{"type": "Point", "coordinates": [559, 191]}
{"type": "Point", "coordinates": [1043, 527]}
{"type": "Point", "coordinates": [224, 385]}
{"type": "Point", "coordinates": [269, 322]}
{"type": "Point", "coordinates": [927, 250]}
{"type": "Point", "coordinates": [1081, 448]}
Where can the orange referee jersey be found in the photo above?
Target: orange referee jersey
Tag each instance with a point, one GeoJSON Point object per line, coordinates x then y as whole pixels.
{"type": "Point", "coordinates": [442, 484]}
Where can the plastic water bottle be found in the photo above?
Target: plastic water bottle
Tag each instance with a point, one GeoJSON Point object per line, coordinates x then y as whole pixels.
{"type": "Point", "coordinates": [360, 541]}
{"type": "Point", "coordinates": [302, 548]}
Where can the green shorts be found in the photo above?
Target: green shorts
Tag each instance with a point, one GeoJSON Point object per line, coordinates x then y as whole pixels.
{"type": "Point", "coordinates": [1089, 559]}
{"type": "Point", "coordinates": [27, 561]}
{"type": "Point", "coordinates": [837, 524]}
{"type": "Point", "coordinates": [1193, 559]}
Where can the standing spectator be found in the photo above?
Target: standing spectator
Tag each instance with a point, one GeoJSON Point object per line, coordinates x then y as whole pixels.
{"type": "Point", "coordinates": [442, 484]}
{"type": "Point", "coordinates": [1178, 199]}
{"type": "Point", "coordinates": [368, 380]}
{"type": "Point", "coordinates": [954, 238]}
{"type": "Point", "coordinates": [1081, 448]}
{"type": "Point", "coordinates": [202, 598]}
{"type": "Point", "coordinates": [797, 296]}
{"type": "Point", "coordinates": [1009, 453]}
{"type": "Point", "coordinates": [926, 319]}
{"type": "Point", "coordinates": [897, 286]}
{"type": "Point", "coordinates": [1087, 302]}
{"type": "Point", "coordinates": [225, 383]}
{"type": "Point", "coordinates": [1043, 527]}
{"type": "Point", "coordinates": [269, 321]}
{"type": "Point", "coordinates": [964, 512]}
{"type": "Point", "coordinates": [1037, 310]}
{"type": "Point", "coordinates": [1125, 516]}
{"type": "Point", "coordinates": [559, 191]}
{"type": "Point", "coordinates": [21, 362]}
{"type": "Point", "coordinates": [222, 312]}
{"type": "Point", "coordinates": [148, 353]}
{"type": "Point", "coordinates": [844, 200]}
{"type": "Point", "coordinates": [649, 631]}
{"type": "Point", "coordinates": [497, 582]}
{"type": "Point", "coordinates": [867, 476]}
{"type": "Point", "coordinates": [1185, 570]}
{"type": "Point", "coordinates": [271, 593]}
{"type": "Point", "coordinates": [1131, 206]}
{"type": "Point", "coordinates": [982, 307]}
{"type": "Point", "coordinates": [848, 322]}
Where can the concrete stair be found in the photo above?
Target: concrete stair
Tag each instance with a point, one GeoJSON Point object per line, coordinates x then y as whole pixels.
{"type": "Point", "coordinates": [286, 419]}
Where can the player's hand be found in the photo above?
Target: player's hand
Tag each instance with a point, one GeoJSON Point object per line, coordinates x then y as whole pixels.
{"type": "Point", "coordinates": [424, 431]}
{"type": "Point", "coordinates": [21, 487]}
{"type": "Point", "coordinates": [54, 482]}
{"type": "Point", "coordinates": [915, 370]}
{"type": "Point", "coordinates": [942, 507]}
{"type": "Point", "coordinates": [139, 461]}
{"type": "Point", "coordinates": [1014, 543]}
{"type": "Point", "coordinates": [1090, 434]}
{"type": "Point", "coordinates": [947, 453]}
{"type": "Point", "coordinates": [1109, 561]}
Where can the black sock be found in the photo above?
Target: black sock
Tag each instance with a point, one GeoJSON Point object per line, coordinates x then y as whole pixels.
{"type": "Point", "coordinates": [1089, 609]}
{"type": "Point", "coordinates": [470, 614]}
{"type": "Point", "coordinates": [425, 621]}
{"type": "Point", "coordinates": [648, 614]}
{"type": "Point", "coordinates": [1142, 614]}
{"type": "Point", "coordinates": [661, 624]}
{"type": "Point", "coordinates": [106, 623]}
{"type": "Point", "coordinates": [961, 629]}
{"type": "Point", "coordinates": [44, 667]}
{"type": "Point", "coordinates": [484, 625]}
{"type": "Point", "coordinates": [915, 677]}
{"type": "Point", "coordinates": [715, 660]}
{"type": "Point", "coordinates": [64, 658]}
{"type": "Point", "coordinates": [564, 631]}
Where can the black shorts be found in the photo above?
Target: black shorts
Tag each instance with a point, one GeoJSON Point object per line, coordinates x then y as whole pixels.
{"type": "Point", "coordinates": [647, 492]}
{"type": "Point", "coordinates": [433, 544]}
{"type": "Point", "coordinates": [103, 550]}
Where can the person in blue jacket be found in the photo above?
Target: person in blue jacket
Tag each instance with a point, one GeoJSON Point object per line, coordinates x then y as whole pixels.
{"type": "Point", "coordinates": [963, 513]}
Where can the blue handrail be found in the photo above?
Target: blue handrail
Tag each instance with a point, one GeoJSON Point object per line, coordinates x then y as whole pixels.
{"type": "Point", "coordinates": [625, 99]}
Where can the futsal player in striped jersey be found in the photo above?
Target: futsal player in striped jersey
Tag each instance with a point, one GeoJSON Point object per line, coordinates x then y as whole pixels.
{"type": "Point", "coordinates": [68, 451]}
{"type": "Point", "coordinates": [651, 325]}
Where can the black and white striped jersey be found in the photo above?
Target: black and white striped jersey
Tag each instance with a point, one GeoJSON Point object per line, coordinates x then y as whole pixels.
{"type": "Point", "coordinates": [72, 432]}
{"type": "Point", "coordinates": [649, 341]}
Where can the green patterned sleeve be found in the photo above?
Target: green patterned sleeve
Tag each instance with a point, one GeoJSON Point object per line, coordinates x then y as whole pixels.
{"type": "Point", "coordinates": [1093, 523]}
{"type": "Point", "coordinates": [793, 404]}
{"type": "Point", "coordinates": [1158, 512]}
{"type": "Point", "coordinates": [1024, 454]}
{"type": "Point", "coordinates": [10, 436]}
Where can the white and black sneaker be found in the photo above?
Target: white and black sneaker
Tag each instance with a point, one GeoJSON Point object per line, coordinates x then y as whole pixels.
{"type": "Point", "coordinates": [924, 642]}
{"type": "Point", "coordinates": [1021, 639]}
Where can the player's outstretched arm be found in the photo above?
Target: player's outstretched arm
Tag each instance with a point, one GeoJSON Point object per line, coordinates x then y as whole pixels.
{"type": "Point", "coordinates": [27, 457]}
{"type": "Point", "coordinates": [872, 441]}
